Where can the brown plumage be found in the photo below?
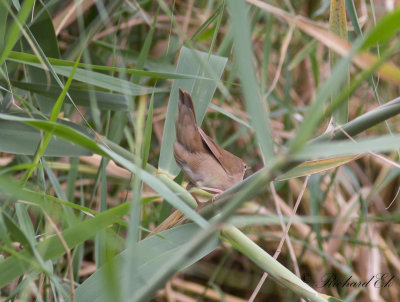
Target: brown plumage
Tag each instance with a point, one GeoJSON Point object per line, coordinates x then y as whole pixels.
{"type": "Point", "coordinates": [203, 162]}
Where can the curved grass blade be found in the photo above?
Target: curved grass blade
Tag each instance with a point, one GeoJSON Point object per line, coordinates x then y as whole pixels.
{"type": "Point", "coordinates": [105, 81]}
{"type": "Point", "coordinates": [29, 59]}
{"type": "Point", "coordinates": [81, 96]}
{"type": "Point", "coordinates": [18, 138]}
{"type": "Point", "coordinates": [14, 31]}
{"type": "Point", "coordinates": [316, 166]}
{"type": "Point", "coordinates": [384, 143]}
{"type": "Point", "coordinates": [152, 254]}
{"type": "Point", "coordinates": [280, 273]}
{"type": "Point", "coordinates": [53, 118]}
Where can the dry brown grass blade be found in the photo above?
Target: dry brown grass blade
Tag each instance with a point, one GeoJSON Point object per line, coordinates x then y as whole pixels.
{"type": "Point", "coordinates": [168, 223]}
{"type": "Point", "coordinates": [213, 295]}
{"type": "Point", "coordinates": [343, 222]}
{"type": "Point", "coordinates": [69, 14]}
{"type": "Point", "coordinates": [285, 229]}
{"type": "Point", "coordinates": [112, 168]}
{"type": "Point", "coordinates": [363, 60]}
{"type": "Point", "coordinates": [67, 253]}
{"type": "Point", "coordinates": [317, 166]}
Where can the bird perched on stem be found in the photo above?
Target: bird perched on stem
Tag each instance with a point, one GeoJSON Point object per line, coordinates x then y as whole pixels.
{"type": "Point", "coordinates": [203, 161]}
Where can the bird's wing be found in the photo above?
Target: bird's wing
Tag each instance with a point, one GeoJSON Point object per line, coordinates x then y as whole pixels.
{"type": "Point", "coordinates": [229, 162]}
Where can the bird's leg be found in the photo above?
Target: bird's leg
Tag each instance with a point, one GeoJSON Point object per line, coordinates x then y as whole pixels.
{"type": "Point", "coordinates": [213, 190]}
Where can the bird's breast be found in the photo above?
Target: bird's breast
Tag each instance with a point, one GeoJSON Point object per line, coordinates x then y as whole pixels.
{"type": "Point", "coordinates": [195, 178]}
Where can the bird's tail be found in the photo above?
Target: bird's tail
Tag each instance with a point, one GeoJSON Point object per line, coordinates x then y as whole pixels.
{"type": "Point", "coordinates": [187, 132]}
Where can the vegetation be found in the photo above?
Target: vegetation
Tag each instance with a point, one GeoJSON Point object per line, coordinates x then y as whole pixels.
{"type": "Point", "coordinates": [93, 205]}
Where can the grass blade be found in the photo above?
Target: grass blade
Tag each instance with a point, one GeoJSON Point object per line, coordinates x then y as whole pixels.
{"type": "Point", "coordinates": [243, 57]}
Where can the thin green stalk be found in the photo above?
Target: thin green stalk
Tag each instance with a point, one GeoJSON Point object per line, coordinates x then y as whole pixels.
{"type": "Point", "coordinates": [53, 118]}
{"type": "Point", "coordinates": [338, 25]}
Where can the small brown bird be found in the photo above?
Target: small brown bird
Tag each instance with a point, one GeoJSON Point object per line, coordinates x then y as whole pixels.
{"type": "Point", "coordinates": [203, 162]}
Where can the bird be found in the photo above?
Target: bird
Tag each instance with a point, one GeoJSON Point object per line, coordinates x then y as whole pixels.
{"type": "Point", "coordinates": [204, 163]}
